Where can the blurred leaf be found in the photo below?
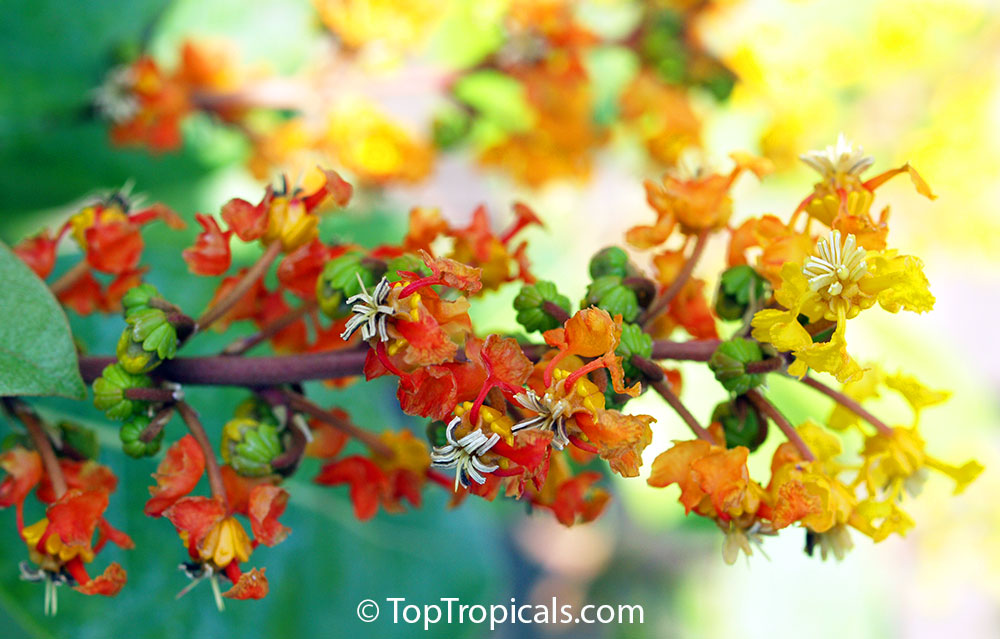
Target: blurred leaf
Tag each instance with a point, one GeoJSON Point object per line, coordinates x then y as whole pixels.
{"type": "Point", "coordinates": [498, 97]}
{"type": "Point", "coordinates": [37, 355]}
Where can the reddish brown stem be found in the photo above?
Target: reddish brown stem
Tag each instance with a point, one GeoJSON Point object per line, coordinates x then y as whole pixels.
{"type": "Point", "coordinates": [303, 405]}
{"type": "Point", "coordinates": [70, 277]}
{"type": "Point", "coordinates": [768, 365]}
{"type": "Point", "coordinates": [41, 443]}
{"type": "Point", "coordinates": [848, 403]}
{"type": "Point", "coordinates": [190, 417]}
{"type": "Point", "coordinates": [152, 395]}
{"type": "Point", "coordinates": [663, 388]}
{"type": "Point", "coordinates": [660, 305]}
{"type": "Point", "coordinates": [555, 311]}
{"type": "Point", "coordinates": [768, 409]}
{"type": "Point", "coordinates": [244, 344]}
{"type": "Point", "coordinates": [156, 425]}
{"type": "Point", "coordinates": [288, 369]}
{"type": "Point", "coordinates": [230, 299]}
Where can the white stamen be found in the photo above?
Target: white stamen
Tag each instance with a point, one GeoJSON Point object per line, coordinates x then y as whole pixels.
{"type": "Point", "coordinates": [841, 159]}
{"type": "Point", "coordinates": [463, 455]}
{"type": "Point", "coordinates": [836, 266]}
{"type": "Point", "coordinates": [551, 416]}
{"type": "Point", "coordinates": [371, 313]}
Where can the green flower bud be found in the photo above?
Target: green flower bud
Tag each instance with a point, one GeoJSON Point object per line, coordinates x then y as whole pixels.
{"type": "Point", "coordinates": [530, 306]}
{"type": "Point", "coordinates": [729, 364]}
{"type": "Point", "coordinates": [633, 342]}
{"type": "Point", "coordinates": [250, 446]}
{"type": "Point", "coordinates": [138, 297]}
{"type": "Point", "coordinates": [405, 262]}
{"type": "Point", "coordinates": [436, 433]}
{"type": "Point", "coordinates": [80, 439]}
{"type": "Point", "coordinates": [132, 445]}
{"type": "Point", "coordinates": [339, 281]}
{"type": "Point", "coordinates": [610, 261]}
{"type": "Point", "coordinates": [151, 328]}
{"type": "Point", "coordinates": [133, 357]}
{"type": "Point", "coordinates": [256, 409]}
{"type": "Point", "coordinates": [109, 392]}
{"type": "Point", "coordinates": [742, 423]}
{"type": "Point", "coordinates": [740, 288]}
{"type": "Point", "coordinates": [612, 295]}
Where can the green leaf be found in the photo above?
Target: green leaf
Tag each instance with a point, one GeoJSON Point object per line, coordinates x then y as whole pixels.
{"type": "Point", "coordinates": [37, 355]}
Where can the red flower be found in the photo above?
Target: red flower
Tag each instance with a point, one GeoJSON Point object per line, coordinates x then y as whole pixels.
{"type": "Point", "coordinates": [113, 246]}
{"type": "Point", "coordinates": [24, 471]}
{"type": "Point", "coordinates": [177, 475]}
{"type": "Point", "coordinates": [300, 269]}
{"type": "Point", "coordinates": [210, 254]}
{"type": "Point", "coordinates": [39, 252]}
{"type": "Point", "coordinates": [250, 585]}
{"type": "Point", "coordinates": [247, 220]}
{"type": "Point", "coordinates": [84, 296]}
{"type": "Point", "coordinates": [266, 503]}
{"type": "Point", "coordinates": [80, 475]}
{"type": "Point", "coordinates": [366, 480]}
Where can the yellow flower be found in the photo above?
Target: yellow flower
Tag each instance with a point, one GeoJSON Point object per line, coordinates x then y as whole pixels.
{"type": "Point", "coordinates": [879, 519]}
{"type": "Point", "coordinates": [54, 547]}
{"type": "Point", "coordinates": [291, 223]}
{"type": "Point", "coordinates": [226, 541]}
{"type": "Point", "coordinates": [836, 283]}
{"type": "Point", "coordinates": [897, 461]}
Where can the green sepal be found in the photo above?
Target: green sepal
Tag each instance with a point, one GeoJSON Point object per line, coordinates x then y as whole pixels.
{"type": "Point", "coordinates": [138, 296]}
{"type": "Point", "coordinates": [741, 423]}
{"type": "Point", "coordinates": [109, 392]}
{"type": "Point", "coordinates": [608, 292]}
{"type": "Point", "coordinates": [133, 446]}
{"type": "Point", "coordinates": [407, 262]}
{"type": "Point", "coordinates": [339, 282]}
{"type": "Point", "coordinates": [256, 409]}
{"type": "Point", "coordinates": [529, 303]}
{"type": "Point", "coordinates": [729, 362]}
{"type": "Point", "coordinates": [610, 261]}
{"type": "Point", "coordinates": [436, 434]}
{"type": "Point", "coordinates": [739, 288]}
{"type": "Point", "coordinates": [249, 446]}
{"type": "Point", "coordinates": [633, 342]}
{"type": "Point", "coordinates": [133, 357]}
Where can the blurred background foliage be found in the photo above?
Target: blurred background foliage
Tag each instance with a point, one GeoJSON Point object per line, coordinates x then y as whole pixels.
{"type": "Point", "coordinates": [911, 80]}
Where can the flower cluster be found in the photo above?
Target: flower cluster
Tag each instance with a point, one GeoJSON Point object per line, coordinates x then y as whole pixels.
{"type": "Point", "coordinates": [531, 102]}
{"type": "Point", "coordinates": [541, 416]}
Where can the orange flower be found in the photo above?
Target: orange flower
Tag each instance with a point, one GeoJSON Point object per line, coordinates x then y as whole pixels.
{"type": "Point", "coordinates": [177, 475]}
{"type": "Point", "coordinates": [697, 204]}
{"type": "Point", "coordinates": [210, 254]}
{"type": "Point", "coordinates": [714, 481]}
{"type": "Point", "coordinates": [288, 217]}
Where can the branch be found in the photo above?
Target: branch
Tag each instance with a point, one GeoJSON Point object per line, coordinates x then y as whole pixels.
{"type": "Point", "coordinates": [226, 370]}
{"type": "Point", "coordinates": [70, 277]}
{"type": "Point", "coordinates": [848, 403]}
{"type": "Point", "coordinates": [663, 388]}
{"type": "Point", "coordinates": [235, 294]}
{"type": "Point", "coordinates": [244, 344]}
{"type": "Point", "coordinates": [663, 302]}
{"type": "Point", "coordinates": [190, 418]}
{"type": "Point", "coordinates": [300, 403]}
{"type": "Point", "coordinates": [41, 442]}
{"type": "Point", "coordinates": [768, 409]}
